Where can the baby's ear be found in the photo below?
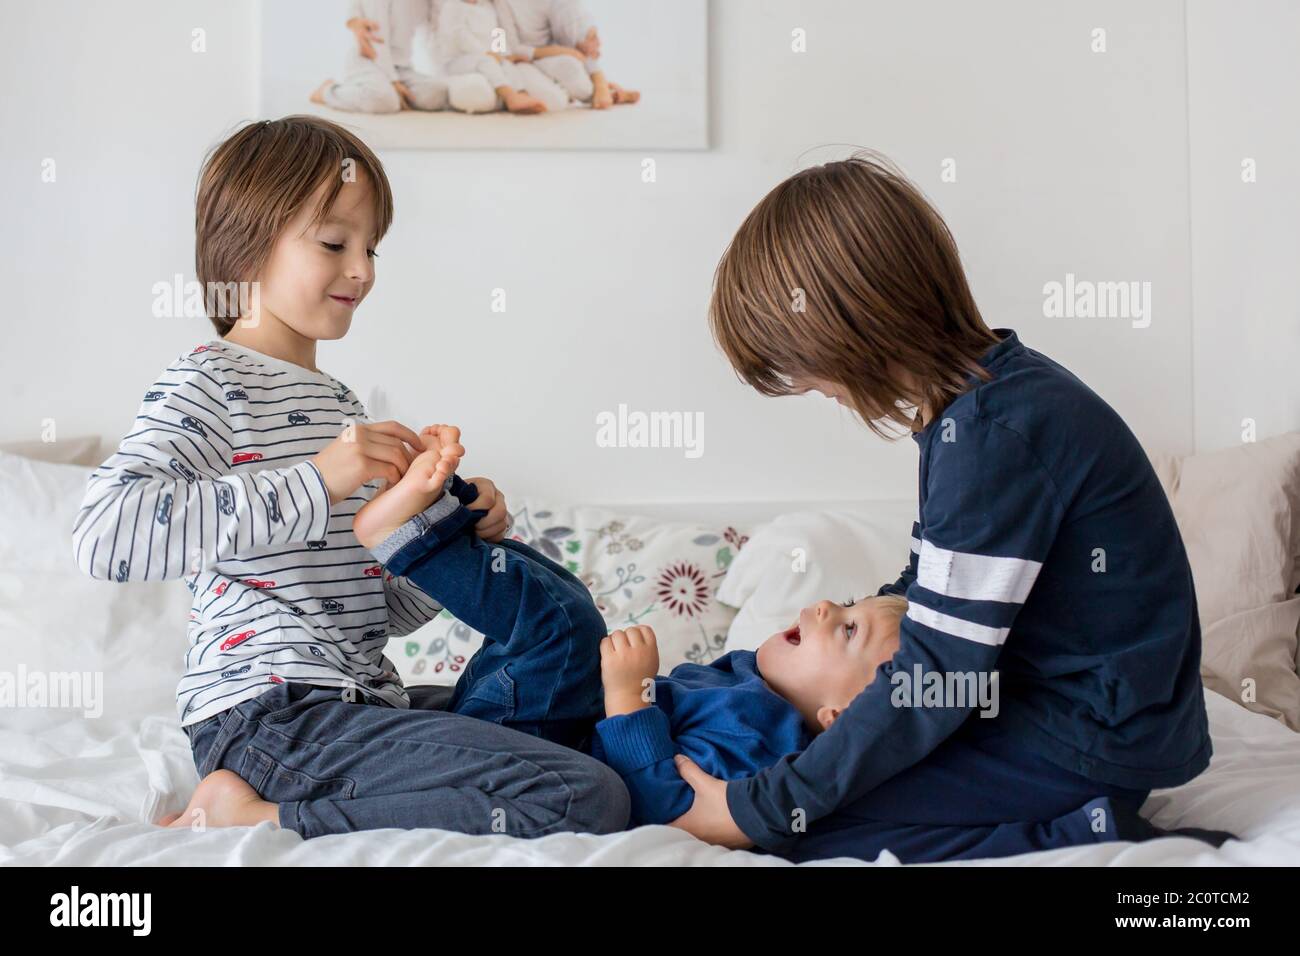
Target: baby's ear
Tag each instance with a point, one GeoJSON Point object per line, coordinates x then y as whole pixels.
{"type": "Point", "coordinates": [826, 715]}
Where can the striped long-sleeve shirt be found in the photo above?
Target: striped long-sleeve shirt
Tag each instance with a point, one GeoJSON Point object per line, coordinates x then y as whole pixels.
{"type": "Point", "coordinates": [1046, 549]}
{"type": "Point", "coordinates": [213, 485]}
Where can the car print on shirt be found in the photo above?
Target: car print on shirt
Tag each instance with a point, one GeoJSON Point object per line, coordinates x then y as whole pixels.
{"type": "Point", "coordinates": [275, 680]}
{"type": "Point", "coordinates": [236, 671]}
{"type": "Point", "coordinates": [153, 396]}
{"type": "Point", "coordinates": [122, 570]}
{"type": "Point", "coordinates": [297, 610]}
{"type": "Point", "coordinates": [236, 394]}
{"type": "Point", "coordinates": [256, 583]}
{"type": "Point", "coordinates": [316, 545]}
{"type": "Point", "coordinates": [192, 424]}
{"type": "Point", "coordinates": [273, 501]}
{"type": "Point", "coordinates": [245, 456]}
{"type": "Point", "coordinates": [298, 418]}
{"type": "Point", "coordinates": [376, 632]}
{"type": "Point", "coordinates": [331, 606]}
{"type": "Point", "coordinates": [235, 639]}
{"type": "Point", "coordinates": [129, 476]}
{"type": "Point", "coordinates": [201, 348]}
{"type": "Point", "coordinates": [225, 498]}
{"type": "Point", "coordinates": [220, 589]}
{"type": "Point", "coordinates": [341, 396]}
{"type": "Point", "coordinates": [181, 470]}
{"type": "Point", "coordinates": [374, 571]}
{"type": "Point", "coordinates": [164, 512]}
{"type": "Point", "coordinates": [316, 650]}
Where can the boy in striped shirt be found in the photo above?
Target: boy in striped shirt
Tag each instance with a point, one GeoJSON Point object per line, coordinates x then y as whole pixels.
{"type": "Point", "coordinates": [242, 474]}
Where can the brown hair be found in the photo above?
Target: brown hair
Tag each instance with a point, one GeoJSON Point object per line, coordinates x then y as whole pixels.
{"type": "Point", "coordinates": [257, 180]}
{"type": "Point", "coordinates": [883, 293]}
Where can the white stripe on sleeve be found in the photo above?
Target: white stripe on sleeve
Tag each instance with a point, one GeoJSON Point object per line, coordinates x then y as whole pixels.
{"type": "Point", "coordinates": [956, 627]}
{"type": "Point", "coordinates": [975, 577]}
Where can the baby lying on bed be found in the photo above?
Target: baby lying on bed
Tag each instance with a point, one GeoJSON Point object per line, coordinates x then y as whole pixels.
{"type": "Point", "coordinates": [741, 713]}
{"type": "Point", "coordinates": [547, 667]}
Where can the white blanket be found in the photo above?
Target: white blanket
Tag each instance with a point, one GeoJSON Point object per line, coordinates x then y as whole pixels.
{"type": "Point", "coordinates": [83, 791]}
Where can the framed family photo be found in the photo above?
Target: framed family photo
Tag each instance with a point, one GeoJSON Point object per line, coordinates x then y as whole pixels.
{"type": "Point", "coordinates": [474, 74]}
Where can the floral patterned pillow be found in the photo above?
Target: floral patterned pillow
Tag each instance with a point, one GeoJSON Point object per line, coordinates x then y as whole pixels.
{"type": "Point", "coordinates": [639, 571]}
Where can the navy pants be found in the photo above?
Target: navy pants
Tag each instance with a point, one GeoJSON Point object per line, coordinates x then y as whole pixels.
{"type": "Point", "coordinates": [538, 670]}
{"type": "Point", "coordinates": [979, 794]}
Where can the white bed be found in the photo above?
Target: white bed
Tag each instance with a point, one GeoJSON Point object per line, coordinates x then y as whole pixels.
{"type": "Point", "coordinates": [83, 791]}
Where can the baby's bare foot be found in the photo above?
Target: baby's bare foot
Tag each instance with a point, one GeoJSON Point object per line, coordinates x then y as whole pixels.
{"type": "Point", "coordinates": [420, 487]}
{"type": "Point", "coordinates": [517, 102]}
{"type": "Point", "coordinates": [622, 96]}
{"type": "Point", "coordinates": [318, 94]}
{"type": "Point", "coordinates": [223, 799]}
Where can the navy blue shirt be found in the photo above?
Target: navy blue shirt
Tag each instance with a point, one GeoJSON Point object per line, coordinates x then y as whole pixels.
{"type": "Point", "coordinates": [1045, 549]}
{"type": "Point", "coordinates": [723, 716]}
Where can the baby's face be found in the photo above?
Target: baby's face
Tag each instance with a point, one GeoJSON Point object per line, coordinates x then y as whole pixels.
{"type": "Point", "coordinates": [317, 275]}
{"type": "Point", "coordinates": [829, 655]}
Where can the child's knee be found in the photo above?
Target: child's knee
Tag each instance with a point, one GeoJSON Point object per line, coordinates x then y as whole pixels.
{"type": "Point", "coordinates": [430, 96]}
{"type": "Point", "coordinates": [471, 93]}
{"type": "Point", "coordinates": [588, 624]}
{"type": "Point", "coordinates": [573, 76]}
{"type": "Point", "coordinates": [383, 100]}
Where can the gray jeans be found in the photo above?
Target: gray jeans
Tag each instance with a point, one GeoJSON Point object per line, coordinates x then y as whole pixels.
{"type": "Point", "coordinates": [336, 766]}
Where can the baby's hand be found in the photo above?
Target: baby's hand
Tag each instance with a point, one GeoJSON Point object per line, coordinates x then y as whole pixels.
{"type": "Point", "coordinates": [496, 524]}
{"type": "Point", "coordinates": [629, 661]}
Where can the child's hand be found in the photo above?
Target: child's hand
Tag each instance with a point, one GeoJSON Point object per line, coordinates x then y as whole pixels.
{"type": "Point", "coordinates": [493, 525]}
{"type": "Point", "coordinates": [405, 99]}
{"type": "Point", "coordinates": [367, 34]}
{"type": "Point", "coordinates": [589, 46]}
{"type": "Point", "coordinates": [363, 452]}
{"type": "Point", "coordinates": [629, 661]}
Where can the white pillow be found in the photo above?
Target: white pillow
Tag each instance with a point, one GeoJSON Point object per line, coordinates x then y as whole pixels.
{"type": "Point", "coordinates": [808, 556]}
{"type": "Point", "coordinates": [38, 503]}
{"type": "Point", "coordinates": [639, 570]}
{"type": "Point", "coordinates": [54, 619]}
{"type": "Point", "coordinates": [125, 643]}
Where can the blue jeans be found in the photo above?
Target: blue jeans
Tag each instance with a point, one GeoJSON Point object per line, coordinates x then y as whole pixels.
{"type": "Point", "coordinates": [538, 670]}
{"type": "Point", "coordinates": [499, 753]}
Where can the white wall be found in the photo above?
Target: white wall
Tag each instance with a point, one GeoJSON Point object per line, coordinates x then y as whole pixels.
{"type": "Point", "coordinates": [1068, 161]}
{"type": "Point", "coordinates": [1246, 242]}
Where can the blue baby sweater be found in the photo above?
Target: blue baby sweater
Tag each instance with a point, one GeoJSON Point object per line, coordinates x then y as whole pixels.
{"type": "Point", "coordinates": [1046, 550]}
{"type": "Point", "coordinates": [723, 716]}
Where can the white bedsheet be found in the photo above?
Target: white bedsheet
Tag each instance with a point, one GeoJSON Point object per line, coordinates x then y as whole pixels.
{"type": "Point", "coordinates": [82, 792]}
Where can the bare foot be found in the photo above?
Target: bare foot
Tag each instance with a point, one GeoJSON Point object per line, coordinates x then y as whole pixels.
{"type": "Point", "coordinates": [318, 94]}
{"type": "Point", "coordinates": [420, 487]}
{"type": "Point", "coordinates": [622, 96]}
{"type": "Point", "coordinates": [518, 102]}
{"type": "Point", "coordinates": [223, 799]}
